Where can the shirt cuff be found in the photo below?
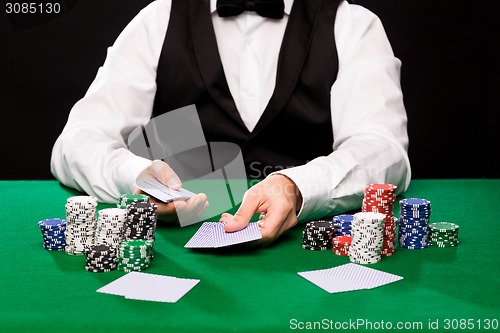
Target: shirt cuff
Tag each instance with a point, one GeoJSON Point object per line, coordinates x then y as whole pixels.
{"type": "Point", "coordinates": [126, 172]}
{"type": "Point", "coordinates": [315, 194]}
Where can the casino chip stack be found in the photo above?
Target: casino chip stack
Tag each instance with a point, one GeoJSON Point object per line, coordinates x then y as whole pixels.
{"type": "Point", "coordinates": [367, 238]}
{"type": "Point", "coordinates": [414, 223]}
{"type": "Point", "coordinates": [341, 245]}
{"type": "Point", "coordinates": [141, 221]}
{"type": "Point", "coordinates": [342, 224]}
{"type": "Point", "coordinates": [443, 234]}
{"type": "Point", "coordinates": [80, 223]}
{"type": "Point", "coordinates": [110, 227]}
{"type": "Point", "coordinates": [100, 258]}
{"type": "Point", "coordinates": [317, 235]}
{"type": "Point", "coordinates": [135, 255]}
{"type": "Point", "coordinates": [379, 198]}
{"type": "Point", "coordinates": [127, 199]}
{"type": "Point", "coordinates": [53, 234]}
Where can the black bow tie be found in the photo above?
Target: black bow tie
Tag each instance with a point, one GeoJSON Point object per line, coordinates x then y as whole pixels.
{"type": "Point", "coordinates": [267, 8]}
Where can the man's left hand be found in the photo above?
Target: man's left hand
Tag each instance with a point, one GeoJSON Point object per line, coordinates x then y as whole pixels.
{"type": "Point", "coordinates": [278, 197]}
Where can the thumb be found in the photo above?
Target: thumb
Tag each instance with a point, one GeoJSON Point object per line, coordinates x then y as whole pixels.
{"type": "Point", "coordinates": [243, 215]}
{"type": "Point", "coordinates": [166, 175]}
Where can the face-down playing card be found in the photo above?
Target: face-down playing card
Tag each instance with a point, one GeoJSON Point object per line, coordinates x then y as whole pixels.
{"type": "Point", "coordinates": [149, 287]}
{"type": "Point", "coordinates": [213, 235]}
{"type": "Point", "coordinates": [349, 277]}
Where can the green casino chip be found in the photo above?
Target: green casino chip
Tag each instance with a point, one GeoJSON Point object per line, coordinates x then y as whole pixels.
{"type": "Point", "coordinates": [444, 227]}
{"type": "Point", "coordinates": [444, 234]}
{"type": "Point", "coordinates": [127, 199]}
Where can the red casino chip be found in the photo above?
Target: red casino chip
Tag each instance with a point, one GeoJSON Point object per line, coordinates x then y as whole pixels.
{"type": "Point", "coordinates": [380, 198]}
{"type": "Point", "coordinates": [341, 245]}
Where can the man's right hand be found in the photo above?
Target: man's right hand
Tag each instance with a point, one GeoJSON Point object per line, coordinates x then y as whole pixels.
{"type": "Point", "coordinates": [173, 211]}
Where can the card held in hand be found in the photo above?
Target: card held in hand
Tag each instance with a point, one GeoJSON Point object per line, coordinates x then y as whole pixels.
{"type": "Point", "coordinates": [213, 235]}
{"type": "Point", "coordinates": [161, 192]}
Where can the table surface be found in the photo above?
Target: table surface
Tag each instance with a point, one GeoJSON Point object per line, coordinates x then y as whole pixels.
{"type": "Point", "coordinates": [253, 290]}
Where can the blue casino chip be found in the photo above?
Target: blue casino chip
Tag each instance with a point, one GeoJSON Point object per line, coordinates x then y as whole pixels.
{"type": "Point", "coordinates": [343, 224]}
{"type": "Point", "coordinates": [413, 223]}
{"type": "Point", "coordinates": [53, 231]}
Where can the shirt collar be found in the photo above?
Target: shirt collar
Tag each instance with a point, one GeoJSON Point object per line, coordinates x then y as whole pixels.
{"type": "Point", "coordinates": [288, 6]}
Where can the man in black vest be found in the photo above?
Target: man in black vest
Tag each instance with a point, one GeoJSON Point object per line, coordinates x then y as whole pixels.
{"type": "Point", "coordinates": [309, 90]}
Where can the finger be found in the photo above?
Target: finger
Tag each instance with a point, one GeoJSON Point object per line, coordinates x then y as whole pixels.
{"type": "Point", "coordinates": [225, 217]}
{"type": "Point", "coordinates": [270, 227]}
{"type": "Point", "coordinates": [164, 209]}
{"type": "Point", "coordinates": [276, 222]}
{"type": "Point", "coordinates": [289, 223]}
{"type": "Point", "coordinates": [200, 200]}
{"type": "Point", "coordinates": [195, 215]}
{"type": "Point", "coordinates": [195, 203]}
{"type": "Point", "coordinates": [244, 214]}
{"type": "Point", "coordinates": [201, 209]}
{"type": "Point", "coordinates": [166, 175]}
{"type": "Point", "coordinates": [177, 209]}
{"type": "Point", "coordinates": [189, 211]}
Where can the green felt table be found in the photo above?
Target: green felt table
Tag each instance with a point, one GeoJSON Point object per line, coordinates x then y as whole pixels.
{"type": "Point", "coordinates": [254, 290]}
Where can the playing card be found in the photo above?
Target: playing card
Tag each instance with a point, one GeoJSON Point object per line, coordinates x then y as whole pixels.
{"type": "Point", "coordinates": [349, 277]}
{"type": "Point", "coordinates": [161, 192]}
{"type": "Point", "coordinates": [212, 235]}
{"type": "Point", "coordinates": [149, 287]}
{"type": "Point", "coordinates": [120, 285]}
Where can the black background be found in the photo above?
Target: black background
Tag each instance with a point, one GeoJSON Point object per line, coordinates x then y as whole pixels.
{"type": "Point", "coordinates": [450, 79]}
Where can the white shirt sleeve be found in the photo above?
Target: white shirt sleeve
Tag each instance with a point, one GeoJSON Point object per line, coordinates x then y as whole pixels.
{"type": "Point", "coordinates": [368, 118]}
{"type": "Point", "coordinates": [91, 154]}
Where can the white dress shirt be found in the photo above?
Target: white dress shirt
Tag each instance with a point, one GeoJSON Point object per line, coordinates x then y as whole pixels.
{"type": "Point", "coordinates": [368, 115]}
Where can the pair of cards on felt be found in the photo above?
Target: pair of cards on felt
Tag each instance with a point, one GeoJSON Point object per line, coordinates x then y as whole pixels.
{"type": "Point", "coordinates": [154, 287]}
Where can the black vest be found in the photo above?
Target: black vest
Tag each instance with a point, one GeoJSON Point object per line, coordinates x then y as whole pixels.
{"type": "Point", "coordinates": [296, 124]}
